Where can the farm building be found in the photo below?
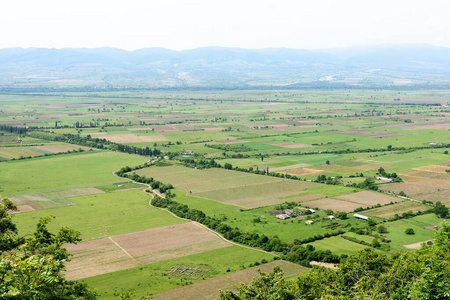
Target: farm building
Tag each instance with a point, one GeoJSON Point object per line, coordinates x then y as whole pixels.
{"type": "Point", "coordinates": [283, 216]}
{"type": "Point", "coordinates": [289, 212]}
{"type": "Point", "coordinates": [309, 222]}
{"type": "Point", "coordinates": [311, 210]}
{"type": "Point", "coordinates": [358, 216]}
{"type": "Point", "coordinates": [384, 179]}
{"type": "Point", "coordinates": [186, 152]}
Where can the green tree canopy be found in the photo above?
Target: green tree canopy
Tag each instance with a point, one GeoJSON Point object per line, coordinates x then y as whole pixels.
{"type": "Point", "coordinates": [32, 267]}
{"type": "Point", "coordinates": [420, 274]}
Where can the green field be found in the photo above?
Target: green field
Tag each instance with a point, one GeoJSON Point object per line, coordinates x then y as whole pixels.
{"type": "Point", "coordinates": [102, 215]}
{"type": "Point", "coordinates": [154, 278]}
{"type": "Point", "coordinates": [62, 172]}
{"type": "Point", "coordinates": [396, 231]}
{"type": "Point", "coordinates": [286, 230]}
{"type": "Point", "coordinates": [337, 245]}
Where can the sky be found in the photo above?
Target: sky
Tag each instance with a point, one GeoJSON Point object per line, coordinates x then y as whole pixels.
{"type": "Point", "coordinates": [188, 24]}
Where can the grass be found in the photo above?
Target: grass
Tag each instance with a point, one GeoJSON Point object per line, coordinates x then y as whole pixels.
{"type": "Point", "coordinates": [120, 186]}
{"type": "Point", "coordinates": [63, 171]}
{"type": "Point", "coordinates": [154, 278]}
{"type": "Point", "coordinates": [396, 231]}
{"type": "Point", "coordinates": [286, 230]}
{"type": "Point", "coordinates": [337, 245]}
{"type": "Point", "coordinates": [101, 215]}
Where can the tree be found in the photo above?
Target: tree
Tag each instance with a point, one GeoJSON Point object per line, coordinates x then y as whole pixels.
{"type": "Point", "coordinates": [441, 210]}
{"type": "Point", "coordinates": [327, 162]}
{"type": "Point", "coordinates": [269, 286]}
{"type": "Point", "coordinates": [371, 222]}
{"type": "Point", "coordinates": [342, 215]}
{"type": "Point", "coordinates": [409, 231]}
{"type": "Point", "coordinates": [32, 267]}
{"type": "Point", "coordinates": [8, 229]}
{"type": "Point", "coordinates": [376, 243]}
{"type": "Point", "coordinates": [381, 229]}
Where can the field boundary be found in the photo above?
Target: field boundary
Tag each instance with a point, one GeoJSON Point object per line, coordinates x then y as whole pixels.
{"type": "Point", "coordinates": [121, 248]}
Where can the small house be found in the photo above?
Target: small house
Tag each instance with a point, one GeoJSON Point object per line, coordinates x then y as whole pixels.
{"type": "Point", "coordinates": [331, 217]}
{"type": "Point", "coordinates": [311, 210]}
{"type": "Point", "coordinates": [358, 216]}
{"type": "Point", "coordinates": [282, 216]}
{"type": "Point", "coordinates": [309, 222]}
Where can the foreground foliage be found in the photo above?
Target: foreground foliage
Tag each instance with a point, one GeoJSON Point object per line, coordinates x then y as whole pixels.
{"type": "Point", "coordinates": [422, 274]}
{"type": "Point", "coordinates": [32, 267]}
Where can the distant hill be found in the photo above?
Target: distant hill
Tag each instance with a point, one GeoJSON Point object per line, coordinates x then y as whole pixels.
{"type": "Point", "coordinates": [218, 67]}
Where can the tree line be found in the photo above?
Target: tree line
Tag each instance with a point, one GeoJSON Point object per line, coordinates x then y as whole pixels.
{"type": "Point", "coordinates": [290, 251]}
{"type": "Point", "coordinates": [13, 129]}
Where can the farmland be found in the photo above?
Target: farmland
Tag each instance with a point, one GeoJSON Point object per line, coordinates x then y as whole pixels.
{"type": "Point", "coordinates": [231, 162]}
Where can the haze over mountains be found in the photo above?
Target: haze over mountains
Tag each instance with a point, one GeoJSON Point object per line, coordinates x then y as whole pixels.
{"type": "Point", "coordinates": [217, 67]}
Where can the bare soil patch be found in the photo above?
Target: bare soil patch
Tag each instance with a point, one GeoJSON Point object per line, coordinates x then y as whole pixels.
{"type": "Point", "coordinates": [96, 257]}
{"type": "Point", "coordinates": [20, 200]}
{"type": "Point", "coordinates": [292, 145]}
{"type": "Point", "coordinates": [434, 169]}
{"type": "Point", "coordinates": [334, 204]}
{"type": "Point", "coordinates": [415, 245]}
{"type": "Point", "coordinates": [139, 248]}
{"type": "Point", "coordinates": [209, 288]}
{"type": "Point", "coordinates": [163, 238]}
{"type": "Point", "coordinates": [442, 196]}
{"type": "Point", "coordinates": [398, 208]}
{"type": "Point", "coordinates": [52, 149]}
{"type": "Point", "coordinates": [24, 208]}
{"type": "Point", "coordinates": [303, 171]}
{"type": "Point", "coordinates": [257, 195]}
{"type": "Point", "coordinates": [422, 186]}
{"type": "Point", "coordinates": [287, 167]}
{"type": "Point", "coordinates": [435, 227]}
{"type": "Point", "coordinates": [305, 198]}
{"type": "Point", "coordinates": [368, 198]}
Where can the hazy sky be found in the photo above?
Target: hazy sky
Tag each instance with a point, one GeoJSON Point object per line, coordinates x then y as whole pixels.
{"type": "Point", "coordinates": [187, 24]}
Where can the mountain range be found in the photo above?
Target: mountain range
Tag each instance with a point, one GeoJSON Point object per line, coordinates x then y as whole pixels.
{"type": "Point", "coordinates": [394, 66]}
